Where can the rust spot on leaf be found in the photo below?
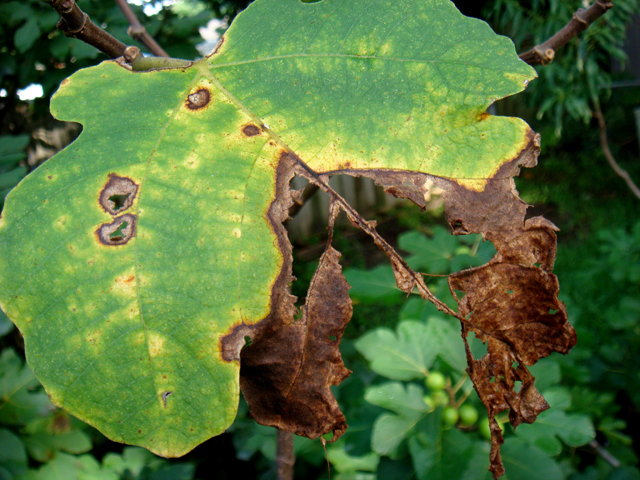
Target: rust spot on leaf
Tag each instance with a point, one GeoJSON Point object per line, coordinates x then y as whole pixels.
{"type": "Point", "coordinates": [251, 130]}
{"type": "Point", "coordinates": [118, 232]}
{"type": "Point", "coordinates": [198, 99]}
{"type": "Point", "coordinates": [118, 194]}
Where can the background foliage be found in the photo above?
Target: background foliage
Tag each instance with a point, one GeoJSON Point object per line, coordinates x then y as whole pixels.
{"type": "Point", "coordinates": [400, 426]}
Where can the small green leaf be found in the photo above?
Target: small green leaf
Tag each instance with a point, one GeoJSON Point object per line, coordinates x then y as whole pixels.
{"type": "Point", "coordinates": [43, 446]}
{"type": "Point", "coordinates": [12, 178]}
{"type": "Point", "coordinates": [375, 285]}
{"type": "Point", "coordinates": [343, 462]}
{"type": "Point", "coordinates": [26, 35]}
{"type": "Point", "coordinates": [18, 403]}
{"type": "Point", "coordinates": [70, 467]}
{"type": "Point", "coordinates": [6, 325]}
{"type": "Point", "coordinates": [388, 432]}
{"type": "Point", "coordinates": [444, 459]}
{"type": "Point", "coordinates": [525, 462]}
{"type": "Point", "coordinates": [406, 356]}
{"type": "Point", "coordinates": [12, 148]}
{"type": "Point", "coordinates": [429, 255]}
{"type": "Point", "coordinates": [13, 456]}
{"type": "Point", "coordinates": [393, 396]}
{"type": "Point", "coordinates": [574, 430]}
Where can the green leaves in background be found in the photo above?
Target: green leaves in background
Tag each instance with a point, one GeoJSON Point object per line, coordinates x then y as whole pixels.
{"type": "Point", "coordinates": [410, 351]}
{"type": "Point", "coordinates": [21, 401]}
{"type": "Point", "coordinates": [12, 151]}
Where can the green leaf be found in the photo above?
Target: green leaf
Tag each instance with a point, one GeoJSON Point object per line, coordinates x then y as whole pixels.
{"type": "Point", "coordinates": [375, 285]}
{"type": "Point", "coordinates": [12, 148]}
{"type": "Point", "coordinates": [26, 35]}
{"type": "Point", "coordinates": [65, 466]}
{"type": "Point", "coordinates": [11, 178]}
{"type": "Point", "coordinates": [430, 255]}
{"type": "Point", "coordinates": [6, 325]}
{"type": "Point", "coordinates": [343, 462]}
{"type": "Point", "coordinates": [389, 431]}
{"type": "Point", "coordinates": [393, 396]}
{"type": "Point", "coordinates": [18, 403]}
{"type": "Point", "coordinates": [525, 462]}
{"type": "Point", "coordinates": [13, 456]}
{"type": "Point", "coordinates": [42, 446]}
{"type": "Point", "coordinates": [132, 460]}
{"type": "Point", "coordinates": [445, 458]}
{"type": "Point", "coordinates": [406, 356]}
{"type": "Point", "coordinates": [129, 313]}
{"type": "Point", "coordinates": [574, 430]}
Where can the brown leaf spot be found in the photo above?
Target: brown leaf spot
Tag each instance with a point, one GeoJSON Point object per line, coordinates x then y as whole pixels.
{"type": "Point", "coordinates": [251, 130]}
{"type": "Point", "coordinates": [118, 194]}
{"type": "Point", "coordinates": [118, 232]}
{"type": "Point", "coordinates": [198, 99]}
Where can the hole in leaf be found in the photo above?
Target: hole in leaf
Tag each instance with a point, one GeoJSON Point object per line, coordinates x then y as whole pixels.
{"type": "Point", "coordinates": [247, 341]}
{"type": "Point", "coordinates": [332, 338]}
{"type": "Point", "coordinates": [552, 311]}
{"type": "Point", "coordinates": [166, 395]}
{"type": "Point", "coordinates": [537, 265]}
{"type": "Point", "coordinates": [311, 1]}
{"type": "Point", "coordinates": [118, 194]}
{"type": "Point", "coordinates": [118, 201]}
{"type": "Point", "coordinates": [510, 292]}
{"type": "Point", "coordinates": [119, 234]}
{"type": "Point", "coordinates": [517, 385]}
{"type": "Point", "coordinates": [493, 380]}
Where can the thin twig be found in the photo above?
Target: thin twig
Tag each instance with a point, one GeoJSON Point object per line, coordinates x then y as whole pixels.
{"type": "Point", "coordinates": [286, 457]}
{"type": "Point", "coordinates": [138, 32]}
{"type": "Point", "coordinates": [606, 456]}
{"type": "Point", "coordinates": [369, 228]}
{"type": "Point", "coordinates": [77, 24]}
{"type": "Point", "coordinates": [604, 143]}
{"type": "Point", "coordinates": [544, 53]}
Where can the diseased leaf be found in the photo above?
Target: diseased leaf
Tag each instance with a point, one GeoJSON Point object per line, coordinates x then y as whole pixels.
{"type": "Point", "coordinates": [286, 375]}
{"type": "Point", "coordinates": [137, 260]}
{"type": "Point", "coordinates": [511, 303]}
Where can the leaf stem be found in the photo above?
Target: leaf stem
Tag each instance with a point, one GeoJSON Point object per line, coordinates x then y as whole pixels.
{"type": "Point", "coordinates": [544, 53]}
{"type": "Point", "coordinates": [77, 24]}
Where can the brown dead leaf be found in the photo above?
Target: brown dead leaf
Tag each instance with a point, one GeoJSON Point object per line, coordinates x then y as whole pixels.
{"type": "Point", "coordinates": [286, 375]}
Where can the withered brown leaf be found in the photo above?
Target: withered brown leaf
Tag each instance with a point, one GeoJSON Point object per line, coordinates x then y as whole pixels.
{"type": "Point", "coordinates": [286, 375]}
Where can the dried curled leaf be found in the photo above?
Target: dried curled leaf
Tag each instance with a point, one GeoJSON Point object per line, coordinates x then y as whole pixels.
{"type": "Point", "coordinates": [286, 375]}
{"type": "Point", "coordinates": [512, 302]}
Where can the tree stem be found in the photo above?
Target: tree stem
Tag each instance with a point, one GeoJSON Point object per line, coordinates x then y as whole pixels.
{"type": "Point", "coordinates": [544, 53]}
{"type": "Point", "coordinates": [286, 457]}
{"type": "Point", "coordinates": [138, 32]}
{"type": "Point", "coordinates": [604, 143]}
{"type": "Point", "coordinates": [77, 24]}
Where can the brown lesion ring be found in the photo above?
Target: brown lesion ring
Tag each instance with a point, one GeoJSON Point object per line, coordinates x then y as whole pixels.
{"type": "Point", "coordinates": [118, 186]}
{"type": "Point", "coordinates": [111, 234]}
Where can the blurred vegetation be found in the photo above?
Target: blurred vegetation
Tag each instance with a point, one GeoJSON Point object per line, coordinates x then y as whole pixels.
{"type": "Point", "coordinates": [404, 424]}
